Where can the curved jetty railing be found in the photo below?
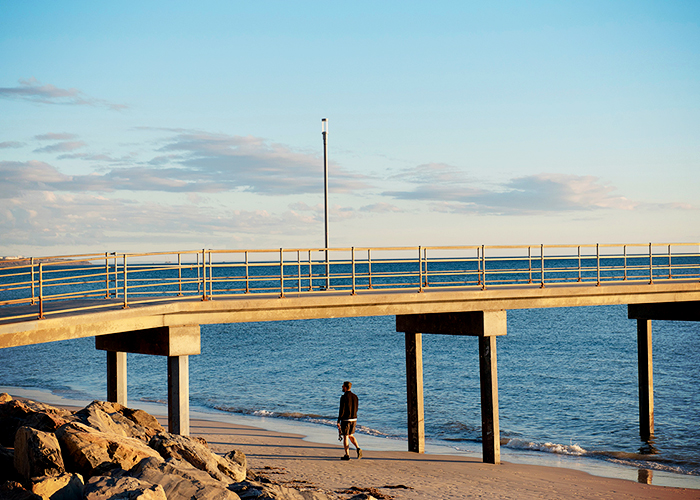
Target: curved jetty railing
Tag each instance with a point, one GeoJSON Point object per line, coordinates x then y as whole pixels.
{"type": "Point", "coordinates": [210, 274]}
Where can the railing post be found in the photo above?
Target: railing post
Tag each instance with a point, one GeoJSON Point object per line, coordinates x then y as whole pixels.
{"type": "Point", "coordinates": [311, 273]}
{"type": "Point", "coordinates": [211, 278]}
{"type": "Point", "coordinates": [197, 267]}
{"type": "Point", "coordinates": [116, 275]}
{"type": "Point", "coordinates": [41, 290]}
{"type": "Point", "coordinates": [669, 262]}
{"type": "Point", "coordinates": [31, 264]}
{"type": "Point", "coordinates": [126, 304]}
{"type": "Point", "coordinates": [353, 270]}
{"type": "Point", "coordinates": [425, 263]}
{"type": "Point", "coordinates": [420, 271]}
{"type": "Point", "coordinates": [651, 265]}
{"type": "Point", "coordinates": [478, 266]}
{"type": "Point", "coordinates": [541, 265]}
{"type": "Point", "coordinates": [597, 265]}
{"type": "Point", "coordinates": [247, 278]}
{"type": "Point", "coordinates": [369, 267]}
{"type": "Point", "coordinates": [579, 263]}
{"type": "Point", "coordinates": [281, 273]}
{"type": "Point", "coordinates": [483, 267]}
{"type": "Point", "coordinates": [299, 269]}
{"type": "Point", "coordinates": [179, 273]}
{"type": "Point", "coordinates": [624, 254]}
{"type": "Point", "coordinates": [106, 275]}
{"type": "Point", "coordinates": [204, 273]}
{"type": "Point", "coordinates": [529, 264]}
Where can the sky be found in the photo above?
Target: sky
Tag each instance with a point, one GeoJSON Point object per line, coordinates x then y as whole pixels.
{"type": "Point", "coordinates": [152, 126]}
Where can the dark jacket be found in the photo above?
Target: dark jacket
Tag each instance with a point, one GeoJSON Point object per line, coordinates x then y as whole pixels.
{"type": "Point", "coordinates": [348, 406]}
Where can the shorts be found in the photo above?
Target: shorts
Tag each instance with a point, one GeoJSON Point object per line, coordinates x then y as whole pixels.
{"type": "Point", "coordinates": [347, 428]}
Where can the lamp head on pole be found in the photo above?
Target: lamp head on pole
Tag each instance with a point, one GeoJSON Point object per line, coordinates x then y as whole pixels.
{"type": "Point", "coordinates": [324, 126]}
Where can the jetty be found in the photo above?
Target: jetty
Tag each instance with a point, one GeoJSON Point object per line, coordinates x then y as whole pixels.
{"type": "Point", "coordinates": [154, 303]}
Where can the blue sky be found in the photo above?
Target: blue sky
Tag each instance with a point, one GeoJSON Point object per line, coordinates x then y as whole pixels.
{"type": "Point", "coordinates": [145, 126]}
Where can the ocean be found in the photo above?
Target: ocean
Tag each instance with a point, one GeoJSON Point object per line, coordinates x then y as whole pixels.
{"type": "Point", "coordinates": [567, 381]}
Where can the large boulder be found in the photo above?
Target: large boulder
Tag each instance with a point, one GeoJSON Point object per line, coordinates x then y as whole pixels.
{"type": "Point", "coordinates": [66, 486]}
{"type": "Point", "coordinates": [15, 414]}
{"type": "Point", "coordinates": [37, 453]}
{"type": "Point", "coordinates": [13, 490]}
{"type": "Point", "coordinates": [122, 488]}
{"type": "Point", "coordinates": [85, 448]}
{"type": "Point", "coordinates": [115, 418]}
{"type": "Point", "coordinates": [7, 465]}
{"type": "Point", "coordinates": [5, 397]}
{"type": "Point", "coordinates": [182, 481]}
{"type": "Point", "coordinates": [199, 455]}
{"type": "Point", "coordinates": [254, 490]}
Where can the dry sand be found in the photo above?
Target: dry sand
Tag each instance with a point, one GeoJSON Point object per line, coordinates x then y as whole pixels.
{"type": "Point", "coordinates": [289, 460]}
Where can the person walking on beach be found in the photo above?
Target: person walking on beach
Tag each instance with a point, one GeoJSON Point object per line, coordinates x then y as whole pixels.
{"type": "Point", "coordinates": [347, 419]}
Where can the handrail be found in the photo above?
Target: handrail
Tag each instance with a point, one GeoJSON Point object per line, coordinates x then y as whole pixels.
{"type": "Point", "coordinates": [179, 275]}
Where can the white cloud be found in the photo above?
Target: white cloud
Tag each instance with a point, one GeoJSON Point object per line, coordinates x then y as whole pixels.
{"type": "Point", "coordinates": [32, 90]}
{"type": "Point", "coordinates": [55, 136]}
{"type": "Point", "coordinates": [534, 194]}
{"type": "Point", "coordinates": [61, 147]}
{"type": "Point", "coordinates": [11, 144]}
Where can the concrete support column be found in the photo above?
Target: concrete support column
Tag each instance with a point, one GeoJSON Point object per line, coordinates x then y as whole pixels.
{"type": "Point", "coordinates": [178, 395]}
{"type": "Point", "coordinates": [646, 379]}
{"type": "Point", "coordinates": [414, 391]}
{"type": "Point", "coordinates": [116, 377]}
{"type": "Point", "coordinates": [490, 431]}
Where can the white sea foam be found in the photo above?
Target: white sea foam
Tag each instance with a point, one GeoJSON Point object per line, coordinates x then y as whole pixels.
{"type": "Point", "coordinates": [560, 449]}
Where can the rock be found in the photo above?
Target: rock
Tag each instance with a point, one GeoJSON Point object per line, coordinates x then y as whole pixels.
{"type": "Point", "coordinates": [5, 397]}
{"type": "Point", "coordinates": [15, 414]}
{"type": "Point", "coordinates": [12, 490]}
{"type": "Point", "coordinates": [7, 465]}
{"type": "Point", "coordinates": [254, 490]}
{"type": "Point", "coordinates": [37, 453]}
{"type": "Point", "coordinates": [197, 454]}
{"type": "Point", "coordinates": [67, 486]}
{"type": "Point", "coordinates": [122, 488]}
{"type": "Point", "coordinates": [238, 457]}
{"type": "Point", "coordinates": [115, 418]}
{"type": "Point", "coordinates": [182, 481]}
{"type": "Point", "coordinates": [86, 448]}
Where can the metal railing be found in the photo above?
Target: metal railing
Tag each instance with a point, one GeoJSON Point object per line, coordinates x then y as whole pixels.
{"type": "Point", "coordinates": [105, 279]}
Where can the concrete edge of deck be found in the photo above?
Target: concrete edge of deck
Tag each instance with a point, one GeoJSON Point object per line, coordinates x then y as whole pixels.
{"type": "Point", "coordinates": [332, 305]}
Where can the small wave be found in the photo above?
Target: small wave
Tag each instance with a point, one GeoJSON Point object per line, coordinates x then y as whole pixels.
{"type": "Point", "coordinates": [559, 449]}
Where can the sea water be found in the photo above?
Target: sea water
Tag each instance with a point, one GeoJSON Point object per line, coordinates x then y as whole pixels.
{"type": "Point", "coordinates": [567, 377]}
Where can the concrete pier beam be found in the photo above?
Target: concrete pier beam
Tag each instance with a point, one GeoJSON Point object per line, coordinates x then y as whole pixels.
{"type": "Point", "coordinates": [179, 395]}
{"type": "Point", "coordinates": [644, 314]}
{"type": "Point", "coordinates": [174, 342]}
{"type": "Point", "coordinates": [414, 392]}
{"type": "Point", "coordinates": [116, 377]}
{"type": "Point", "coordinates": [486, 325]}
{"type": "Point", "coordinates": [646, 379]}
{"type": "Point", "coordinates": [490, 428]}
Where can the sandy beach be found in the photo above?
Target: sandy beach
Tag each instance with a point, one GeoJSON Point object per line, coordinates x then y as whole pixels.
{"type": "Point", "coordinates": [289, 460]}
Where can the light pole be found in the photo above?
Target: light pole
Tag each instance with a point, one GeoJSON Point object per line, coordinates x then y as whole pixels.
{"type": "Point", "coordinates": [324, 133]}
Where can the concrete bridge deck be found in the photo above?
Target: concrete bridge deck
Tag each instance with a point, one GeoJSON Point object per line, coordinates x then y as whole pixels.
{"type": "Point", "coordinates": [94, 317]}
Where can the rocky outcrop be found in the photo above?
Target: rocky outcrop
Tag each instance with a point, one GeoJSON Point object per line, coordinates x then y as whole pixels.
{"type": "Point", "coordinates": [37, 453]}
{"type": "Point", "coordinates": [88, 448]}
{"type": "Point", "coordinates": [182, 481]}
{"type": "Point", "coordinates": [200, 456]}
{"type": "Point", "coordinates": [122, 488]}
{"type": "Point", "coordinates": [65, 486]}
{"type": "Point", "coordinates": [108, 451]}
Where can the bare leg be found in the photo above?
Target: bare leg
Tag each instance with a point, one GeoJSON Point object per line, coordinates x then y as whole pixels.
{"type": "Point", "coordinates": [346, 445]}
{"type": "Point", "coordinates": [354, 442]}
